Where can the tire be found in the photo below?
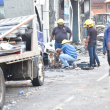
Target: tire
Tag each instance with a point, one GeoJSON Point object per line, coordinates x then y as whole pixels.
{"type": "Point", "coordinates": [2, 89]}
{"type": "Point", "coordinates": [39, 80]}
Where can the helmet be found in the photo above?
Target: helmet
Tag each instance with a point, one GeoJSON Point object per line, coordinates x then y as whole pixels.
{"type": "Point", "coordinates": [65, 41]}
{"type": "Point", "coordinates": [88, 23]}
{"type": "Point", "coordinates": [60, 22]}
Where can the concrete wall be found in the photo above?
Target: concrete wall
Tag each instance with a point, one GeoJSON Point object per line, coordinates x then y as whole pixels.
{"type": "Point", "coordinates": [86, 16]}
{"type": "Point", "coordinates": [52, 15]}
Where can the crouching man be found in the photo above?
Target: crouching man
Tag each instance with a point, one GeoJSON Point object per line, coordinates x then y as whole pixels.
{"type": "Point", "coordinates": [69, 54]}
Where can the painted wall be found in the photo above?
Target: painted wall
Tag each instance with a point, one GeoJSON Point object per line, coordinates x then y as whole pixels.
{"type": "Point", "coordinates": [98, 8]}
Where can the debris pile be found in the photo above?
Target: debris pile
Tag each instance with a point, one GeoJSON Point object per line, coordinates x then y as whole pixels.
{"type": "Point", "coordinates": [81, 50]}
{"type": "Point", "coordinates": [54, 62]}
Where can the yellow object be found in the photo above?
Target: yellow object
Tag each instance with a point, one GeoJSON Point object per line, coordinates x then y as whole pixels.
{"type": "Point", "coordinates": [91, 25]}
{"type": "Point", "coordinates": [100, 26]}
{"type": "Point", "coordinates": [60, 22]}
{"type": "Point", "coordinates": [65, 41]}
{"type": "Point", "coordinates": [88, 23]}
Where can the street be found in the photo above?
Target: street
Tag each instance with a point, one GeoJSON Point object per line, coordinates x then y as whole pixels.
{"type": "Point", "coordinates": [54, 55]}
{"type": "Point", "coordinates": [72, 89]}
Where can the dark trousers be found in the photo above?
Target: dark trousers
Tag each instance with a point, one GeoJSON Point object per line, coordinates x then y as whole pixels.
{"type": "Point", "coordinates": [108, 57]}
{"type": "Point", "coordinates": [94, 62]}
{"type": "Point", "coordinates": [92, 53]}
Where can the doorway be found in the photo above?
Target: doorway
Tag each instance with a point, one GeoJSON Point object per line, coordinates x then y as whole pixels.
{"type": "Point", "coordinates": [61, 9]}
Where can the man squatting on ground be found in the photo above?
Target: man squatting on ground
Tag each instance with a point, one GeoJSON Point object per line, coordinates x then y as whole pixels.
{"type": "Point", "coordinates": [60, 33]}
{"type": "Point", "coordinates": [91, 41]}
{"type": "Point", "coordinates": [69, 54]}
{"type": "Point", "coordinates": [105, 46]}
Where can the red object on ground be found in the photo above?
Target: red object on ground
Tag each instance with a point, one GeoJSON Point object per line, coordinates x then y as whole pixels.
{"type": "Point", "coordinates": [17, 52]}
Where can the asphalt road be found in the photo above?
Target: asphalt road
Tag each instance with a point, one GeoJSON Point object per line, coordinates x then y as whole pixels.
{"type": "Point", "coordinates": [73, 89]}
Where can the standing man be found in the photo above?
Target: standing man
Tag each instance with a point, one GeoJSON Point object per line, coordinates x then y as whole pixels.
{"type": "Point", "coordinates": [105, 46]}
{"type": "Point", "coordinates": [90, 43]}
{"type": "Point", "coordinates": [69, 55]}
{"type": "Point", "coordinates": [60, 33]}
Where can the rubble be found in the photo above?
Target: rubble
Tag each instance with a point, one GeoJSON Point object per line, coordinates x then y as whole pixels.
{"type": "Point", "coordinates": [81, 50]}
{"type": "Point", "coordinates": [10, 105]}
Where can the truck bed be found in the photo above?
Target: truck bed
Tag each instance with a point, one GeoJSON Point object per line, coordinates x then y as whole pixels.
{"type": "Point", "coordinates": [8, 59]}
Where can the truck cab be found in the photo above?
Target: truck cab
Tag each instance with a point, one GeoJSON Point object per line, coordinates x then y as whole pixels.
{"type": "Point", "coordinates": [101, 21]}
{"type": "Point", "coordinates": [22, 29]}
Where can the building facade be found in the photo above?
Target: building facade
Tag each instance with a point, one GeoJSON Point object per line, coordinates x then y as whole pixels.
{"type": "Point", "coordinates": [99, 6]}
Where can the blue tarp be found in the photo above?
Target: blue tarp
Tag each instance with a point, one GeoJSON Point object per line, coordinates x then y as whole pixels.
{"type": "Point", "coordinates": [1, 2]}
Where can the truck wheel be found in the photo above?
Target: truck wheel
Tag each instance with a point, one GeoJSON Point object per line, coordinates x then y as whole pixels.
{"type": "Point", "coordinates": [39, 80]}
{"type": "Point", "coordinates": [2, 89]}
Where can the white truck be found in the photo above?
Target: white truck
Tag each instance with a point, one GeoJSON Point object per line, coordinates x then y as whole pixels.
{"type": "Point", "coordinates": [21, 28]}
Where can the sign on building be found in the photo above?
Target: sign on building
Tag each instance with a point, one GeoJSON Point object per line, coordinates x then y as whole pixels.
{"type": "Point", "coordinates": [66, 10]}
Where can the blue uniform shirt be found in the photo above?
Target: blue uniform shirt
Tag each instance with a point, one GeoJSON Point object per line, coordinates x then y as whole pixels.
{"type": "Point", "coordinates": [105, 42]}
{"type": "Point", "coordinates": [108, 33]}
{"type": "Point", "coordinates": [69, 49]}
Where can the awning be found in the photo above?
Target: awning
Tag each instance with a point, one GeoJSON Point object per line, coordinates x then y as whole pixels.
{"type": "Point", "coordinates": [1, 2]}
